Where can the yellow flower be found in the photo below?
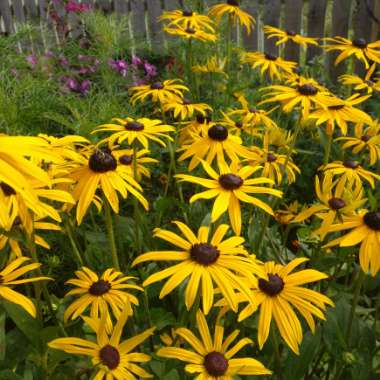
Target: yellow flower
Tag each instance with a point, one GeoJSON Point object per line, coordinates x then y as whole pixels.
{"type": "Point", "coordinates": [99, 169]}
{"type": "Point", "coordinates": [305, 94]}
{"type": "Point", "coordinates": [162, 92]}
{"type": "Point", "coordinates": [214, 142]}
{"type": "Point", "coordinates": [252, 115]}
{"type": "Point", "coordinates": [213, 359]}
{"type": "Point", "coordinates": [190, 33]}
{"type": "Point", "coordinates": [187, 18]}
{"type": "Point", "coordinates": [278, 138]}
{"type": "Point", "coordinates": [340, 113]}
{"type": "Point", "coordinates": [231, 187]}
{"type": "Point", "coordinates": [365, 230]}
{"type": "Point", "coordinates": [278, 295]}
{"type": "Point", "coordinates": [272, 165]}
{"type": "Point", "coordinates": [213, 65]}
{"type": "Point", "coordinates": [287, 214]}
{"type": "Point", "coordinates": [9, 277]}
{"type": "Point", "coordinates": [285, 36]}
{"type": "Point", "coordinates": [232, 8]}
{"type": "Point", "coordinates": [368, 83]}
{"type": "Point", "coordinates": [365, 139]}
{"type": "Point", "coordinates": [130, 129]}
{"type": "Point", "coordinates": [359, 47]}
{"type": "Point", "coordinates": [111, 358]}
{"type": "Point", "coordinates": [336, 199]}
{"type": "Point", "coordinates": [101, 293]}
{"type": "Point", "coordinates": [185, 108]}
{"type": "Point", "coordinates": [193, 129]}
{"type": "Point", "coordinates": [236, 127]}
{"type": "Point", "coordinates": [203, 260]}
{"type": "Point", "coordinates": [350, 172]}
{"type": "Point", "coordinates": [275, 66]}
{"type": "Point", "coordinates": [125, 157]}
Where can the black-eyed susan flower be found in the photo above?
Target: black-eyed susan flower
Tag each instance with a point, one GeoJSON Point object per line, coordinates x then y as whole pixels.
{"type": "Point", "coordinates": [214, 142]}
{"type": "Point", "coordinates": [359, 47]}
{"type": "Point", "coordinates": [193, 129]}
{"type": "Point", "coordinates": [189, 33]}
{"type": "Point", "coordinates": [204, 260]}
{"type": "Point", "coordinates": [125, 157]}
{"type": "Point", "coordinates": [252, 115]}
{"type": "Point", "coordinates": [270, 63]}
{"type": "Point", "coordinates": [276, 297]}
{"type": "Point", "coordinates": [273, 164]}
{"type": "Point", "coordinates": [105, 295]}
{"type": "Point", "coordinates": [284, 36]}
{"type": "Point", "coordinates": [187, 18]}
{"type": "Point", "coordinates": [287, 213]}
{"type": "Point", "coordinates": [99, 169]}
{"type": "Point", "coordinates": [231, 187]}
{"type": "Point", "coordinates": [213, 358]}
{"type": "Point", "coordinates": [232, 8]}
{"type": "Point", "coordinates": [9, 277]}
{"type": "Point", "coordinates": [131, 130]}
{"type": "Point", "coordinates": [368, 83]}
{"type": "Point", "coordinates": [336, 199]}
{"type": "Point", "coordinates": [113, 360]}
{"type": "Point", "coordinates": [236, 124]}
{"type": "Point", "coordinates": [161, 92]}
{"type": "Point", "coordinates": [305, 94]}
{"type": "Point", "coordinates": [278, 138]}
{"type": "Point", "coordinates": [185, 108]}
{"type": "Point", "coordinates": [365, 139]}
{"type": "Point", "coordinates": [340, 113]}
{"type": "Point", "coordinates": [213, 65]}
{"type": "Point", "coordinates": [350, 172]}
{"type": "Point", "coordinates": [365, 230]}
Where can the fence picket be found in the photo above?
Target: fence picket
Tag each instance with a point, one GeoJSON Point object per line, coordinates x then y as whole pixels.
{"type": "Point", "coordinates": [316, 25]}
{"type": "Point", "coordinates": [6, 14]}
{"type": "Point", "coordinates": [272, 10]}
{"type": "Point", "coordinates": [293, 20]}
{"type": "Point", "coordinates": [18, 10]}
{"type": "Point", "coordinates": [340, 24]}
{"type": "Point", "coordinates": [251, 40]}
{"type": "Point", "coordinates": [138, 18]}
{"type": "Point", "coordinates": [155, 34]}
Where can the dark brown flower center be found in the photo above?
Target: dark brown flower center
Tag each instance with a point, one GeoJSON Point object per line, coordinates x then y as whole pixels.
{"type": "Point", "coordinates": [126, 159]}
{"type": "Point", "coordinates": [16, 222]}
{"type": "Point", "coordinates": [351, 164]}
{"type": "Point", "coordinates": [235, 3]}
{"type": "Point", "coordinates": [336, 203]}
{"type": "Point", "coordinates": [1, 279]}
{"type": "Point", "coordinates": [190, 30]}
{"type": "Point", "coordinates": [187, 13]}
{"type": "Point", "coordinates": [372, 220]}
{"type": "Point", "coordinates": [7, 190]}
{"type": "Point", "coordinates": [360, 43]}
{"type": "Point", "coordinates": [102, 161]}
{"type": "Point", "coordinates": [336, 107]}
{"type": "Point", "coordinates": [218, 133]}
{"type": "Point", "coordinates": [273, 286]}
{"type": "Point", "coordinates": [216, 364]}
{"type": "Point", "coordinates": [204, 253]}
{"type": "Point", "coordinates": [186, 101]}
{"type": "Point", "coordinates": [203, 119]}
{"type": "Point", "coordinates": [99, 288]}
{"type": "Point", "coordinates": [110, 356]}
{"type": "Point", "coordinates": [271, 157]}
{"type": "Point", "coordinates": [157, 86]}
{"type": "Point", "coordinates": [239, 124]}
{"type": "Point", "coordinates": [230, 181]}
{"type": "Point", "coordinates": [252, 110]}
{"type": "Point", "coordinates": [270, 57]}
{"type": "Point", "coordinates": [307, 90]}
{"type": "Point", "coordinates": [366, 138]}
{"type": "Point", "coordinates": [134, 126]}
{"type": "Point", "coordinates": [291, 33]}
{"type": "Point", "coordinates": [369, 82]}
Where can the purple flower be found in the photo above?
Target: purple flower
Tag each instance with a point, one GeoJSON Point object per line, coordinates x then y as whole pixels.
{"type": "Point", "coordinates": [136, 60]}
{"type": "Point", "coordinates": [150, 70]}
{"type": "Point", "coordinates": [32, 59]}
{"type": "Point", "coordinates": [119, 65]}
{"type": "Point", "coordinates": [73, 85]}
{"type": "Point", "coordinates": [49, 54]}
{"type": "Point", "coordinates": [73, 7]}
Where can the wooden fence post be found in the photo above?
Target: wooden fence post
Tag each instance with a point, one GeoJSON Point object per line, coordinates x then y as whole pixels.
{"type": "Point", "coordinates": [272, 9]}
{"type": "Point", "coordinates": [293, 20]}
{"type": "Point", "coordinates": [251, 40]}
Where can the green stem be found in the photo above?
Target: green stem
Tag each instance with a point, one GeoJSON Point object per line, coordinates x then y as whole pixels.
{"type": "Point", "coordinates": [229, 54]}
{"type": "Point", "coordinates": [111, 234]}
{"type": "Point", "coordinates": [135, 202]}
{"type": "Point", "coordinates": [276, 353]}
{"type": "Point", "coordinates": [77, 254]}
{"type": "Point", "coordinates": [328, 149]}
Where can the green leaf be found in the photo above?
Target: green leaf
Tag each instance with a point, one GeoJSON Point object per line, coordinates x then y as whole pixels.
{"type": "Point", "coordinates": [2, 336]}
{"type": "Point", "coordinates": [162, 318]}
{"type": "Point", "coordinates": [26, 323]}
{"type": "Point", "coordinates": [9, 375]}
